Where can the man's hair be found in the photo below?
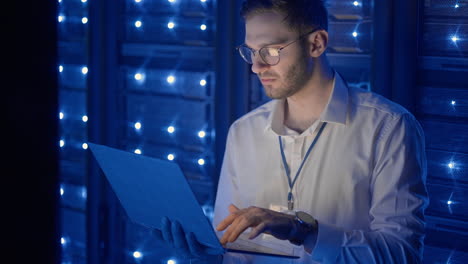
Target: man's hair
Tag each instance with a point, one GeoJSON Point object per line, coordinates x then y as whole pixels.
{"type": "Point", "coordinates": [300, 15]}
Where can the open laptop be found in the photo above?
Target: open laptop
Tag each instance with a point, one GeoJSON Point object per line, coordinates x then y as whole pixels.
{"type": "Point", "coordinates": [150, 189]}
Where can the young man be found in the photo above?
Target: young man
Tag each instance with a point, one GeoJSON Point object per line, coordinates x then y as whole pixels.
{"type": "Point", "coordinates": [329, 172]}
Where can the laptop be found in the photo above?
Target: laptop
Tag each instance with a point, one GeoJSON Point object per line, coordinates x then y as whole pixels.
{"type": "Point", "coordinates": [150, 189]}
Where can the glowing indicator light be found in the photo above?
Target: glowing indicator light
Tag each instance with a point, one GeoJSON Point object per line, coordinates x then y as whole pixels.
{"type": "Point", "coordinates": [138, 24]}
{"type": "Point", "coordinates": [455, 39]}
{"type": "Point", "coordinates": [84, 20]}
{"type": "Point", "coordinates": [171, 129]}
{"type": "Point", "coordinates": [171, 79]}
{"type": "Point", "coordinates": [202, 82]}
{"type": "Point", "coordinates": [61, 115]}
{"type": "Point", "coordinates": [137, 1]}
{"type": "Point", "coordinates": [84, 70]}
{"type": "Point", "coordinates": [356, 3]}
{"type": "Point", "coordinates": [84, 118]}
{"type": "Point", "coordinates": [457, 6]}
{"type": "Point", "coordinates": [60, 68]}
{"type": "Point", "coordinates": [61, 18]}
{"type": "Point", "coordinates": [171, 261]}
{"type": "Point", "coordinates": [137, 254]}
{"type": "Point", "coordinates": [139, 76]}
{"type": "Point", "coordinates": [62, 143]}
{"type": "Point", "coordinates": [355, 34]}
{"type": "Point", "coordinates": [84, 146]}
{"type": "Point", "coordinates": [449, 202]}
{"type": "Point", "coordinates": [203, 27]}
{"type": "Point", "coordinates": [63, 241]}
{"type": "Point", "coordinates": [137, 125]}
{"type": "Point", "coordinates": [451, 165]}
{"type": "Point", "coordinates": [170, 157]}
{"type": "Point", "coordinates": [453, 102]}
{"type": "Point", "coordinates": [84, 1]}
{"type": "Point", "coordinates": [170, 25]}
{"type": "Point", "coordinates": [201, 162]}
{"type": "Point", "coordinates": [137, 151]}
{"type": "Point", "coordinates": [61, 191]}
{"type": "Point", "coordinates": [201, 134]}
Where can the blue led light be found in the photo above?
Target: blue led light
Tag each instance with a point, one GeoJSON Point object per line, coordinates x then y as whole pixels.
{"type": "Point", "coordinates": [60, 68]}
{"type": "Point", "coordinates": [137, 254]}
{"type": "Point", "coordinates": [139, 76]}
{"type": "Point", "coordinates": [170, 79]}
{"type": "Point", "coordinates": [84, 1]}
{"type": "Point", "coordinates": [137, 1]}
{"type": "Point", "coordinates": [449, 202]}
{"type": "Point", "coordinates": [201, 134]}
{"type": "Point", "coordinates": [62, 143]}
{"type": "Point", "coordinates": [138, 24]}
{"type": "Point", "coordinates": [170, 25]}
{"type": "Point", "coordinates": [454, 39]}
{"type": "Point", "coordinates": [170, 129]}
{"type": "Point", "coordinates": [451, 165]}
{"type": "Point", "coordinates": [203, 27]}
{"type": "Point", "coordinates": [170, 157]}
{"type": "Point", "coordinates": [84, 118]}
{"type": "Point", "coordinates": [84, 20]}
{"type": "Point", "coordinates": [63, 241]}
{"type": "Point", "coordinates": [355, 34]}
{"type": "Point", "coordinates": [203, 1]}
{"type": "Point", "coordinates": [457, 6]}
{"type": "Point", "coordinates": [202, 82]}
{"type": "Point", "coordinates": [453, 102]}
{"type": "Point", "coordinates": [137, 125]}
{"type": "Point", "coordinates": [61, 191]}
{"type": "Point", "coordinates": [171, 261]}
{"type": "Point", "coordinates": [61, 18]}
{"type": "Point", "coordinates": [84, 146]}
{"type": "Point", "coordinates": [201, 162]}
{"type": "Point", "coordinates": [137, 151]}
{"type": "Point", "coordinates": [61, 115]}
{"type": "Point", "coordinates": [356, 3]}
{"type": "Point", "coordinates": [84, 70]}
{"type": "Point", "coordinates": [171, 1]}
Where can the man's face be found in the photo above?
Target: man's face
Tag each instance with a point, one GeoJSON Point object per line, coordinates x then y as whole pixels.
{"type": "Point", "coordinates": [293, 71]}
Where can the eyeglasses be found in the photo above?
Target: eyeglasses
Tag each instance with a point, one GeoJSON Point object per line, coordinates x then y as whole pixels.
{"type": "Point", "coordinates": [269, 55]}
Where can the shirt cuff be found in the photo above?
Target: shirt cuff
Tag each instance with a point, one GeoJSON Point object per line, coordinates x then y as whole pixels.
{"type": "Point", "coordinates": [328, 244]}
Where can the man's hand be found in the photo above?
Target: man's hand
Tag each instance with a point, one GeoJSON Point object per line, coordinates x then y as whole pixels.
{"type": "Point", "coordinates": [279, 225]}
{"type": "Point", "coordinates": [186, 245]}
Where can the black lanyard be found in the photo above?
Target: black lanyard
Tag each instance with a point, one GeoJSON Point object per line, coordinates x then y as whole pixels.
{"type": "Point", "coordinates": [288, 171]}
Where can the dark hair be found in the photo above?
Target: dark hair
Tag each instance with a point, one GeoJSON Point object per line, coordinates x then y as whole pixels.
{"type": "Point", "coordinates": [301, 15]}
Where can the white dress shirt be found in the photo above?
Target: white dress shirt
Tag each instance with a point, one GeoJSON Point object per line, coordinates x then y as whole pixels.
{"type": "Point", "coordinates": [364, 180]}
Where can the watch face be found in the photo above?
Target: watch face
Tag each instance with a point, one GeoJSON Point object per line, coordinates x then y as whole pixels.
{"type": "Point", "coordinates": [305, 217]}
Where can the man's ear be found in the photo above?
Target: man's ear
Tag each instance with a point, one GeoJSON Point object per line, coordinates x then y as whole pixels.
{"type": "Point", "coordinates": [318, 42]}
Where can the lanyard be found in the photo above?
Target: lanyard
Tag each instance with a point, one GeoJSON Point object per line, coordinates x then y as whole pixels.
{"type": "Point", "coordinates": [288, 171]}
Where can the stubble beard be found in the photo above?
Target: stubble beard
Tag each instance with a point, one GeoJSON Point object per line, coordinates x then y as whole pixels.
{"type": "Point", "coordinates": [295, 80]}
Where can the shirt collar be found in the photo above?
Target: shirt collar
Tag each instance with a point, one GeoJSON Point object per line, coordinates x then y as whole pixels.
{"type": "Point", "coordinates": [335, 111]}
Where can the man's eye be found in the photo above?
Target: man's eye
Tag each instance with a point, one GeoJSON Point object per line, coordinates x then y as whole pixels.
{"type": "Point", "coordinates": [271, 52]}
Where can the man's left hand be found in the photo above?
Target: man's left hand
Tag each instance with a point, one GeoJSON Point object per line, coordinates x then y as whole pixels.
{"type": "Point", "coordinates": [279, 225]}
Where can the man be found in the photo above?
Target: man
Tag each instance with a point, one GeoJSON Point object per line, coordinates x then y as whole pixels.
{"type": "Point", "coordinates": [329, 172]}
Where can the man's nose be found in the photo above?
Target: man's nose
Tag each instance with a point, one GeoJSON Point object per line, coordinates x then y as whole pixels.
{"type": "Point", "coordinates": [258, 65]}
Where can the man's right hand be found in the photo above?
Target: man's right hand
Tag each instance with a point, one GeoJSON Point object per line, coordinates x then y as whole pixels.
{"type": "Point", "coordinates": [186, 245]}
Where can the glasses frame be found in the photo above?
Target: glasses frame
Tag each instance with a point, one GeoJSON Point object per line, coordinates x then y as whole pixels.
{"type": "Point", "coordinates": [238, 48]}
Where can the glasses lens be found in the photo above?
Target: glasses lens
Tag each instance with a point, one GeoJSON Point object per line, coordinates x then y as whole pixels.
{"type": "Point", "coordinates": [270, 55]}
{"type": "Point", "coordinates": [246, 54]}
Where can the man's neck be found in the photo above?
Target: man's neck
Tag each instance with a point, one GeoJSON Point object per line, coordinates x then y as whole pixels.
{"type": "Point", "coordinates": [304, 107]}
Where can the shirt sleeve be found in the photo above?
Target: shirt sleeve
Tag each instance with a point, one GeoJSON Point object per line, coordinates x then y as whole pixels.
{"type": "Point", "coordinates": [398, 201]}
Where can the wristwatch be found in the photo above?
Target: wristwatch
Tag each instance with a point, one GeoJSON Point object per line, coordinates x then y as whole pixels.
{"type": "Point", "coordinates": [305, 224]}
